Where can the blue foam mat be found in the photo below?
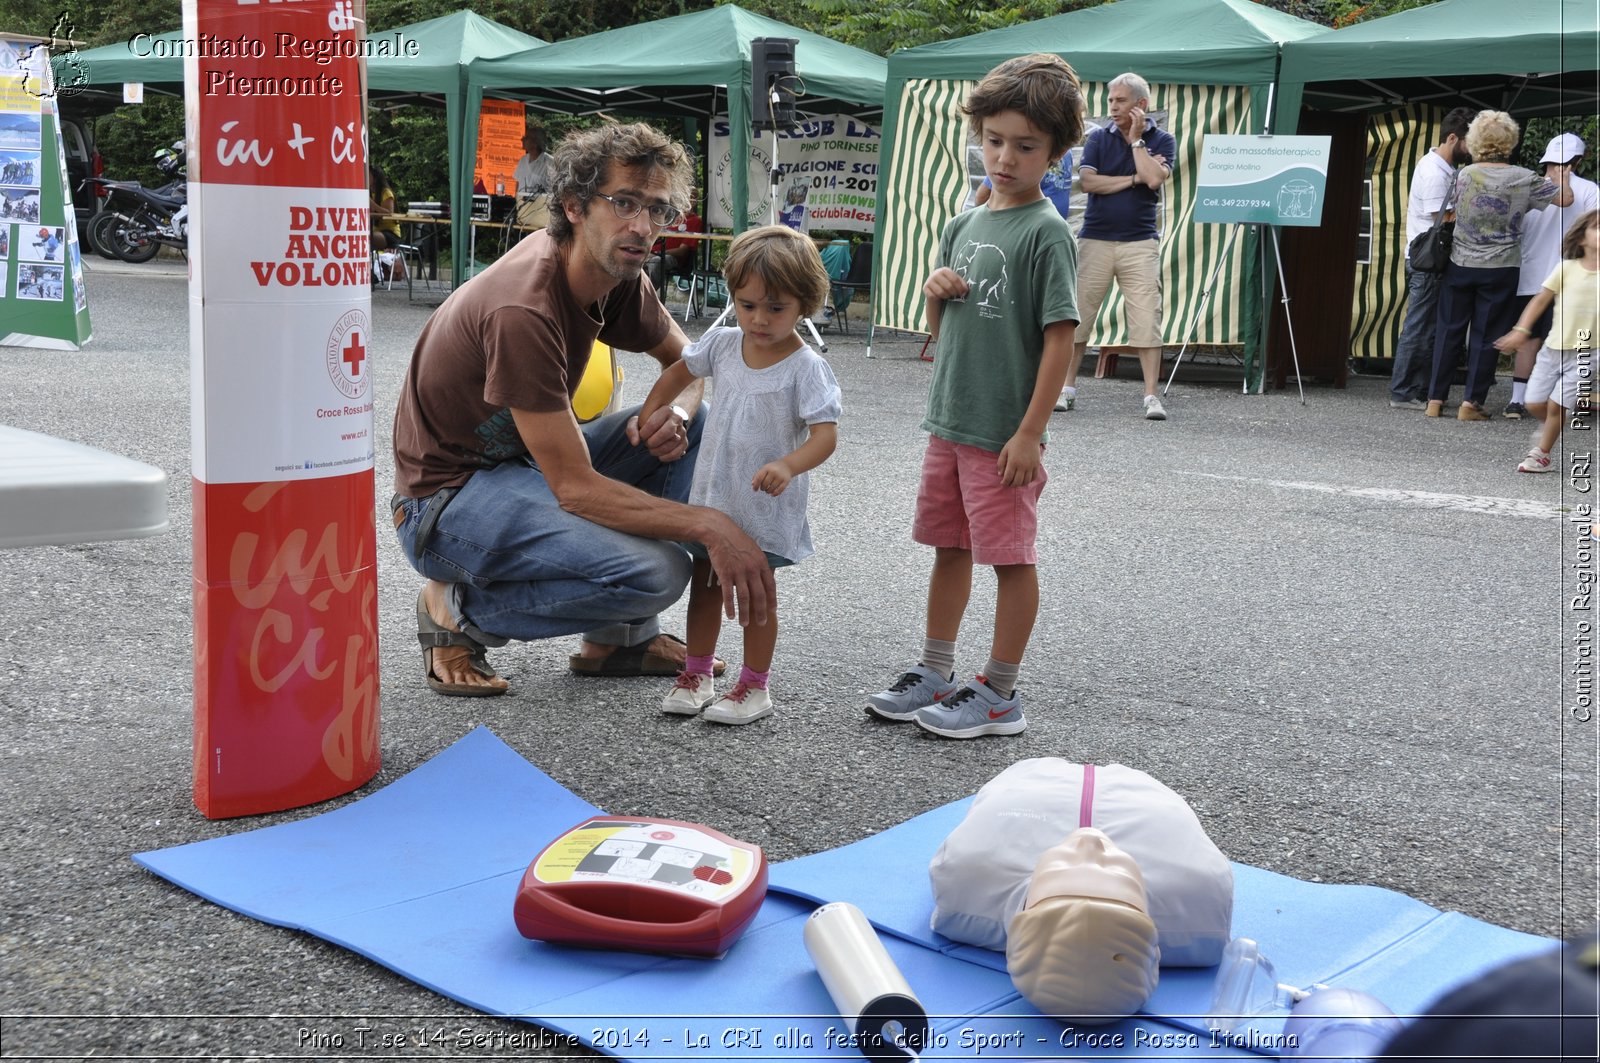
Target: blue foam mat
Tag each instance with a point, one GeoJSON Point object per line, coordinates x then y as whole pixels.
{"type": "Point", "coordinates": [420, 877]}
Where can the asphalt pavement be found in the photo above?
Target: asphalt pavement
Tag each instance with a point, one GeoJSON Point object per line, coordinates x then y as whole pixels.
{"type": "Point", "coordinates": [1354, 639]}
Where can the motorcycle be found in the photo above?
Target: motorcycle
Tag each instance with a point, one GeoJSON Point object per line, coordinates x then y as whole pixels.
{"type": "Point", "coordinates": [137, 222]}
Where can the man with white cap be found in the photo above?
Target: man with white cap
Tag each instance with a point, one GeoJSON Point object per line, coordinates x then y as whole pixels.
{"type": "Point", "coordinates": [1542, 231]}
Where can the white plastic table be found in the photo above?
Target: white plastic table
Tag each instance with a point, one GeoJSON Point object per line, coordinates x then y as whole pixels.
{"type": "Point", "coordinates": [53, 491]}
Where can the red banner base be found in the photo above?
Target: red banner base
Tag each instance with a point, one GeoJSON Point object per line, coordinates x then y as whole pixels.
{"type": "Point", "coordinates": [286, 643]}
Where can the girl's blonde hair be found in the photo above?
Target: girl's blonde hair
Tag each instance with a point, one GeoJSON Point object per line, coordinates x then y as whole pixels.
{"type": "Point", "coordinates": [1572, 242]}
{"type": "Point", "coordinates": [783, 261]}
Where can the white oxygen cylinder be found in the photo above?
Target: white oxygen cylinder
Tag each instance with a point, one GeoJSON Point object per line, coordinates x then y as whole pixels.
{"type": "Point", "coordinates": [887, 1020]}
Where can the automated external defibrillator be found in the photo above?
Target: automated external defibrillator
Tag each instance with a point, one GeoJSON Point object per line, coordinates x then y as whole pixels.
{"type": "Point", "coordinates": [642, 884]}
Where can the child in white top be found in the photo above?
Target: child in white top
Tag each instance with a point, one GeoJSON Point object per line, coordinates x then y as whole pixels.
{"type": "Point", "coordinates": [1562, 376]}
{"type": "Point", "coordinates": [774, 417]}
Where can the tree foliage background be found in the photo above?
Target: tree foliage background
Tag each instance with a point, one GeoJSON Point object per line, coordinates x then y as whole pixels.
{"type": "Point", "coordinates": [410, 141]}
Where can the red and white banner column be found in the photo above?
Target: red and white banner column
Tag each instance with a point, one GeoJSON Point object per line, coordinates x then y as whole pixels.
{"type": "Point", "coordinates": [285, 568]}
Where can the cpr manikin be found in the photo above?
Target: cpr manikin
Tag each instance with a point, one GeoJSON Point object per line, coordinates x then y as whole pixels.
{"type": "Point", "coordinates": [1084, 947]}
{"type": "Point", "coordinates": [983, 872]}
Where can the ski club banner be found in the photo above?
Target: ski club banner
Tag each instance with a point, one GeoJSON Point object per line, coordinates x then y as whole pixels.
{"type": "Point", "coordinates": [827, 174]}
{"type": "Point", "coordinates": [285, 567]}
{"type": "Point", "coordinates": [43, 302]}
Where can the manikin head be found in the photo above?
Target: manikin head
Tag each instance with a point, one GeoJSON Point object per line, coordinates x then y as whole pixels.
{"type": "Point", "coordinates": [1084, 948]}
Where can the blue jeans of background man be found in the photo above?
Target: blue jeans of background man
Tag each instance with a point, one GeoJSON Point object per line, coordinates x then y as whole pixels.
{"type": "Point", "coordinates": [1478, 300]}
{"type": "Point", "coordinates": [521, 567]}
{"type": "Point", "coordinates": [1413, 358]}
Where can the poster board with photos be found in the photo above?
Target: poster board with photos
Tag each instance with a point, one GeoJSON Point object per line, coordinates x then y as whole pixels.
{"type": "Point", "coordinates": [41, 268]}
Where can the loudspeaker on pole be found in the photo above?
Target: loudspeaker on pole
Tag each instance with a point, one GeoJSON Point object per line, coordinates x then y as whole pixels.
{"type": "Point", "coordinates": [772, 82]}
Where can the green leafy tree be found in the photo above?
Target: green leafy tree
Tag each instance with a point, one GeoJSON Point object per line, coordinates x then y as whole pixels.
{"type": "Point", "coordinates": [94, 22]}
{"type": "Point", "coordinates": [885, 27]}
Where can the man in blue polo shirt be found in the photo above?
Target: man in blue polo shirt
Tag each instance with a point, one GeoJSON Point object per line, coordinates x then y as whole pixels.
{"type": "Point", "coordinates": [1122, 168]}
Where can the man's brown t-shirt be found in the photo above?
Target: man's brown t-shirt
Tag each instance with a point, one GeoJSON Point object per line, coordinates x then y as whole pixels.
{"type": "Point", "coordinates": [513, 337]}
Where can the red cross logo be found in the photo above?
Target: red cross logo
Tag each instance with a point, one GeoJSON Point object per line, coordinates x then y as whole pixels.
{"type": "Point", "coordinates": [345, 354]}
{"type": "Point", "coordinates": [355, 354]}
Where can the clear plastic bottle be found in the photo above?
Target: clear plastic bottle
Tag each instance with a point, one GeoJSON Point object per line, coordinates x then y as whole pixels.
{"type": "Point", "coordinates": [1324, 1023]}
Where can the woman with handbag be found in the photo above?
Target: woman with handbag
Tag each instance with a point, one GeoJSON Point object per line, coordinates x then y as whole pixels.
{"type": "Point", "coordinates": [1480, 283]}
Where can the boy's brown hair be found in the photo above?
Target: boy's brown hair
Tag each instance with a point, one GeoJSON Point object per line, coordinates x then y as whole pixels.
{"type": "Point", "coordinates": [782, 262]}
{"type": "Point", "coordinates": [1041, 87]}
{"type": "Point", "coordinates": [1572, 242]}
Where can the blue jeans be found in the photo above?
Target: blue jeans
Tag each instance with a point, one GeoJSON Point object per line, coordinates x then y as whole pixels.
{"type": "Point", "coordinates": [1413, 358]}
{"type": "Point", "coordinates": [1478, 300]}
{"type": "Point", "coordinates": [521, 567]}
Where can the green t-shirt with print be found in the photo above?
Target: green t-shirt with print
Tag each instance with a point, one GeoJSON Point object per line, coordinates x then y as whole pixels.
{"type": "Point", "coordinates": [1022, 265]}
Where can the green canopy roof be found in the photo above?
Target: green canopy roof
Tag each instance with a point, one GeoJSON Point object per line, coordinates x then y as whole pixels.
{"type": "Point", "coordinates": [109, 66]}
{"type": "Point", "coordinates": [1183, 42]}
{"type": "Point", "coordinates": [445, 47]}
{"type": "Point", "coordinates": [1534, 57]}
{"type": "Point", "coordinates": [646, 69]}
{"type": "Point", "coordinates": [694, 66]}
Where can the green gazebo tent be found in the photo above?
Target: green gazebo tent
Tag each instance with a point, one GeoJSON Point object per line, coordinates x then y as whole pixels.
{"type": "Point", "coordinates": [1212, 65]}
{"type": "Point", "coordinates": [437, 74]}
{"type": "Point", "coordinates": [691, 66]}
{"type": "Point", "coordinates": [1534, 59]}
{"type": "Point", "coordinates": [1403, 72]}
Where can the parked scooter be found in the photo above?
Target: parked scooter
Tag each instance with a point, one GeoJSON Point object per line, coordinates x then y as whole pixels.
{"type": "Point", "coordinates": [137, 221]}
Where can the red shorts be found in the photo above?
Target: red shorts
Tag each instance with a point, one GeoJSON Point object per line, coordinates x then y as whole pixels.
{"type": "Point", "coordinates": [961, 503]}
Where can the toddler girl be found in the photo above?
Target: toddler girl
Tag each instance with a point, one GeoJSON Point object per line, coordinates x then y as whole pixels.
{"type": "Point", "coordinates": [774, 417]}
{"type": "Point", "coordinates": [1562, 375]}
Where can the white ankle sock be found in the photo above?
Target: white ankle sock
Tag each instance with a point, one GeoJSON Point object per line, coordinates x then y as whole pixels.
{"type": "Point", "coordinates": [940, 656]}
{"type": "Point", "coordinates": [1002, 676]}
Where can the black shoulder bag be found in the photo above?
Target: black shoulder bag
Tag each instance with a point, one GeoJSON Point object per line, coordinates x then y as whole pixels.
{"type": "Point", "coordinates": [1430, 251]}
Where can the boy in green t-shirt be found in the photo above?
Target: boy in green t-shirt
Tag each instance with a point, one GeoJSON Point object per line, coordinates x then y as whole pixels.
{"type": "Point", "coordinates": [1002, 302]}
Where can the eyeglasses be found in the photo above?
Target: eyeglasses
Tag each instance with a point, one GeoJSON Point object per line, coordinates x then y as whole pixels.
{"type": "Point", "coordinates": [661, 214]}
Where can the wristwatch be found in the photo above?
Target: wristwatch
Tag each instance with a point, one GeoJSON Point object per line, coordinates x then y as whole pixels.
{"type": "Point", "coordinates": [1136, 144]}
{"type": "Point", "coordinates": [683, 414]}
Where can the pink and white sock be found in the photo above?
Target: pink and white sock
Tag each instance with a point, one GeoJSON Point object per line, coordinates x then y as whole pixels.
{"type": "Point", "coordinates": [753, 680]}
{"type": "Point", "coordinates": [699, 665]}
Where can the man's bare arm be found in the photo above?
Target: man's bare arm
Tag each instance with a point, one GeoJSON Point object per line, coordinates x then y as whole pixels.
{"type": "Point", "coordinates": [655, 428]}
{"type": "Point", "coordinates": [1151, 170]}
{"type": "Point", "coordinates": [1099, 184]}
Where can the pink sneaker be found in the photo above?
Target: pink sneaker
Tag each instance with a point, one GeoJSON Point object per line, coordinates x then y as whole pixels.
{"type": "Point", "coordinates": [1536, 461]}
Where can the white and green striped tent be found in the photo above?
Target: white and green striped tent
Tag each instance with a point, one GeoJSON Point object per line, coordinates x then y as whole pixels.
{"type": "Point", "coordinates": [1395, 141]}
{"type": "Point", "coordinates": [1212, 66]}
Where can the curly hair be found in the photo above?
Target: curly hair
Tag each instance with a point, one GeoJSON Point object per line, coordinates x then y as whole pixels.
{"type": "Point", "coordinates": [1572, 242]}
{"type": "Point", "coordinates": [781, 260]}
{"type": "Point", "coordinates": [1041, 87]}
{"type": "Point", "coordinates": [585, 160]}
{"type": "Point", "coordinates": [1492, 136]}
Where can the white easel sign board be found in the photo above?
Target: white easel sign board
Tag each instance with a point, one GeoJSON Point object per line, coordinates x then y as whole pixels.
{"type": "Point", "coordinates": [1263, 180]}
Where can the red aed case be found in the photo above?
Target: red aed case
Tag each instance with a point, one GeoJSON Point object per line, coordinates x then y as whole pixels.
{"type": "Point", "coordinates": [644, 885]}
